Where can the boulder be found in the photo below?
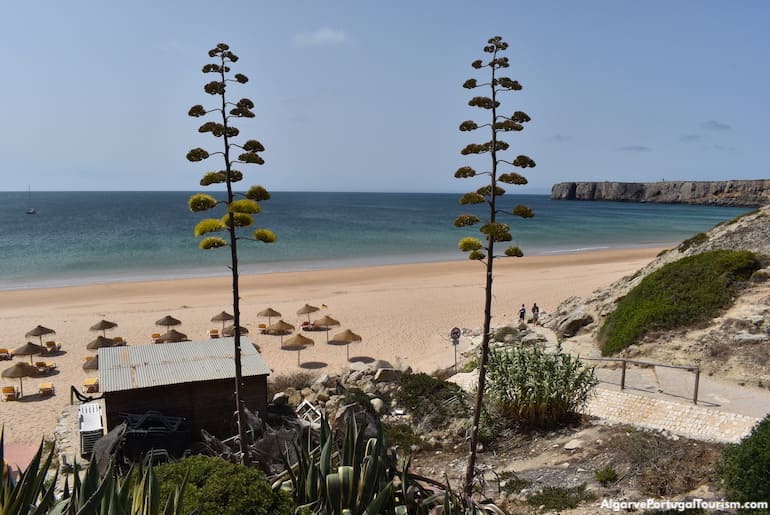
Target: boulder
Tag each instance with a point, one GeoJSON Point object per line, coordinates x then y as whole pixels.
{"type": "Point", "coordinates": [750, 338]}
{"type": "Point", "coordinates": [573, 444]}
{"type": "Point", "coordinates": [377, 405]}
{"type": "Point", "coordinates": [573, 322]}
{"type": "Point", "coordinates": [280, 399]}
{"type": "Point", "coordinates": [389, 375]}
{"type": "Point", "coordinates": [381, 363]}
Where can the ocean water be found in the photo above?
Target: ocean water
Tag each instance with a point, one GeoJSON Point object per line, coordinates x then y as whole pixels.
{"type": "Point", "coordinates": [89, 237]}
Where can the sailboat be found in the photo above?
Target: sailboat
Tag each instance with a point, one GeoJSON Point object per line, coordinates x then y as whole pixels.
{"type": "Point", "coordinates": [30, 210]}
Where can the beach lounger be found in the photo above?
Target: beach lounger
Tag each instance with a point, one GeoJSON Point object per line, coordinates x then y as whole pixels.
{"type": "Point", "coordinates": [5, 354]}
{"type": "Point", "coordinates": [262, 328]}
{"type": "Point", "coordinates": [10, 393]}
{"type": "Point", "coordinates": [155, 338]}
{"type": "Point", "coordinates": [45, 389]}
{"type": "Point", "coordinates": [42, 366]}
{"type": "Point", "coordinates": [119, 341]}
{"type": "Point", "coordinates": [91, 385]}
{"type": "Point", "coordinates": [52, 347]}
{"type": "Point", "coordinates": [213, 333]}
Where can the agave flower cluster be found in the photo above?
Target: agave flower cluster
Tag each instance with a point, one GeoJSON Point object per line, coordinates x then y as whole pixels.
{"type": "Point", "coordinates": [240, 211]}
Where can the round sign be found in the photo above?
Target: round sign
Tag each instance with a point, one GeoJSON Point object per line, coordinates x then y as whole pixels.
{"type": "Point", "coordinates": [455, 333]}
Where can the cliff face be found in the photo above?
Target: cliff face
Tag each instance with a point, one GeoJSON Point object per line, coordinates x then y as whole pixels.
{"type": "Point", "coordinates": [721, 193]}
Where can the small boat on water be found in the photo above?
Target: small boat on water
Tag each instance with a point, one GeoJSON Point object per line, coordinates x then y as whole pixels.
{"type": "Point", "coordinates": [30, 210]}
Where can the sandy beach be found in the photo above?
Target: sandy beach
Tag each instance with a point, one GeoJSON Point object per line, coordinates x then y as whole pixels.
{"type": "Point", "coordinates": [404, 314]}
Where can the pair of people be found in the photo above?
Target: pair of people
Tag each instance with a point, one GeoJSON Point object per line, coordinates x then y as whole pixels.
{"type": "Point", "coordinates": [523, 313]}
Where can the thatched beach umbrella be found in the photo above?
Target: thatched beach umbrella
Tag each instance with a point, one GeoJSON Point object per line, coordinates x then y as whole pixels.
{"type": "Point", "coordinates": [103, 325]}
{"type": "Point", "coordinates": [222, 316]}
{"type": "Point", "coordinates": [281, 329]}
{"type": "Point", "coordinates": [173, 336]}
{"type": "Point", "coordinates": [347, 336]}
{"type": "Point", "coordinates": [297, 343]}
{"type": "Point", "coordinates": [99, 342]}
{"type": "Point", "coordinates": [306, 310]}
{"type": "Point", "coordinates": [91, 364]}
{"type": "Point", "coordinates": [230, 330]}
{"type": "Point", "coordinates": [168, 321]}
{"type": "Point", "coordinates": [40, 331]}
{"type": "Point", "coordinates": [269, 313]}
{"type": "Point", "coordinates": [28, 349]}
{"type": "Point", "coordinates": [18, 371]}
{"type": "Point", "coordinates": [326, 322]}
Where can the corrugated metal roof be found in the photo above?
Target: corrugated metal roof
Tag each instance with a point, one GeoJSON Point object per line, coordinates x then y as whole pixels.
{"type": "Point", "coordinates": [145, 366]}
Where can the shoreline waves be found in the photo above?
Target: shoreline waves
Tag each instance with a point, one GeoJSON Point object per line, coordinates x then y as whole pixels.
{"type": "Point", "coordinates": [403, 312]}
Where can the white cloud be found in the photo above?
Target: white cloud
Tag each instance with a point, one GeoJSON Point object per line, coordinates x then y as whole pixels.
{"type": "Point", "coordinates": [324, 36]}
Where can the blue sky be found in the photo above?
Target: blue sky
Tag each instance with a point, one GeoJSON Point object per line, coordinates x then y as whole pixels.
{"type": "Point", "coordinates": [367, 96]}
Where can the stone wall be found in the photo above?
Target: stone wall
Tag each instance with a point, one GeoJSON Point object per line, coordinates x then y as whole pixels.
{"type": "Point", "coordinates": [721, 193]}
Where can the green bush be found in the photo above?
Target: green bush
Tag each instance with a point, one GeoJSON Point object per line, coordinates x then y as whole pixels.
{"type": "Point", "coordinates": [745, 467]}
{"type": "Point", "coordinates": [533, 388]}
{"type": "Point", "coordinates": [606, 475]}
{"type": "Point", "coordinates": [215, 486]}
{"type": "Point", "coordinates": [687, 291]}
{"type": "Point", "coordinates": [554, 498]}
{"type": "Point", "coordinates": [430, 402]}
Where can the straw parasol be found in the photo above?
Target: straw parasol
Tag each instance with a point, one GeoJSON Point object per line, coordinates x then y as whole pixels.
{"type": "Point", "coordinates": [280, 328]}
{"type": "Point", "coordinates": [18, 371]}
{"type": "Point", "coordinates": [103, 325]}
{"type": "Point", "coordinates": [297, 343]}
{"type": "Point", "coordinates": [230, 330]}
{"type": "Point", "coordinates": [222, 316]}
{"type": "Point", "coordinates": [326, 322]}
{"type": "Point", "coordinates": [269, 313]}
{"type": "Point", "coordinates": [40, 331]}
{"type": "Point", "coordinates": [347, 336]}
{"type": "Point", "coordinates": [173, 336]}
{"type": "Point", "coordinates": [168, 321]}
{"type": "Point", "coordinates": [99, 342]}
{"type": "Point", "coordinates": [28, 349]}
{"type": "Point", "coordinates": [92, 364]}
{"type": "Point", "coordinates": [306, 310]}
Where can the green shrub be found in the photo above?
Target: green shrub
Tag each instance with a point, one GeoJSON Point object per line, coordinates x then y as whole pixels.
{"type": "Point", "coordinates": [401, 436]}
{"type": "Point", "coordinates": [745, 467]}
{"type": "Point", "coordinates": [531, 387]}
{"type": "Point", "coordinates": [504, 331]}
{"type": "Point", "coordinates": [471, 365]}
{"type": "Point", "coordinates": [553, 498]}
{"type": "Point", "coordinates": [215, 486]}
{"type": "Point", "coordinates": [687, 291]}
{"type": "Point", "coordinates": [430, 402]}
{"type": "Point", "coordinates": [606, 475]}
{"type": "Point", "coordinates": [699, 238]}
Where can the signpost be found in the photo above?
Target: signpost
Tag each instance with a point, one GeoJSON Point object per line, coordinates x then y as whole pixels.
{"type": "Point", "coordinates": [455, 335]}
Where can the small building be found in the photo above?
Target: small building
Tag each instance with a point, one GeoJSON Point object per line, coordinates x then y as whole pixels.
{"type": "Point", "coordinates": [194, 380]}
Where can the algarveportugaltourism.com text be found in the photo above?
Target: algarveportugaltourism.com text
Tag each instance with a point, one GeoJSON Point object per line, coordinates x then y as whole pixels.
{"type": "Point", "coordinates": [692, 504]}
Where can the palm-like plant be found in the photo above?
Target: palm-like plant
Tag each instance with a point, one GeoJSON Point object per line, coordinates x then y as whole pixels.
{"type": "Point", "coordinates": [240, 208]}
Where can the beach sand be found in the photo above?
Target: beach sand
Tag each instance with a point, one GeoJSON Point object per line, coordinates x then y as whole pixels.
{"type": "Point", "coordinates": [404, 314]}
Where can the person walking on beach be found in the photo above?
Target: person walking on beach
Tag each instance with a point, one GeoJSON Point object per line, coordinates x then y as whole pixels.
{"type": "Point", "coordinates": [535, 313]}
{"type": "Point", "coordinates": [522, 313]}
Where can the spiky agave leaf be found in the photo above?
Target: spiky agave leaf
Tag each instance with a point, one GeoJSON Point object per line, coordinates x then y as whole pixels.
{"type": "Point", "coordinates": [265, 236]}
{"type": "Point", "coordinates": [201, 202]}
{"type": "Point", "coordinates": [212, 242]}
{"type": "Point", "coordinates": [244, 206]}
{"type": "Point", "coordinates": [208, 225]}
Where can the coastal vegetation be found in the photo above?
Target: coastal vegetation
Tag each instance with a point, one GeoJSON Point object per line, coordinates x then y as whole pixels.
{"type": "Point", "coordinates": [745, 467]}
{"type": "Point", "coordinates": [533, 389]}
{"type": "Point", "coordinates": [239, 207]}
{"type": "Point", "coordinates": [685, 292]}
{"type": "Point", "coordinates": [483, 249]}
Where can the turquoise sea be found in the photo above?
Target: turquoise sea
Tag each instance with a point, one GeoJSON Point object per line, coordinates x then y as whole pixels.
{"type": "Point", "coordinates": [89, 237]}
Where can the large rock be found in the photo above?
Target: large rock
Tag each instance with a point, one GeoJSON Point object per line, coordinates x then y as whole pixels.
{"type": "Point", "coordinates": [387, 375]}
{"type": "Point", "coordinates": [721, 193]}
{"type": "Point", "coordinates": [573, 322]}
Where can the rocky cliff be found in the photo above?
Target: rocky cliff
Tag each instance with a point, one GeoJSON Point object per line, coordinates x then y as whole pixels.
{"type": "Point", "coordinates": [720, 193]}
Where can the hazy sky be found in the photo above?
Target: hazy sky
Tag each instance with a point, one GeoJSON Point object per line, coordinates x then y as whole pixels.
{"type": "Point", "coordinates": [367, 96]}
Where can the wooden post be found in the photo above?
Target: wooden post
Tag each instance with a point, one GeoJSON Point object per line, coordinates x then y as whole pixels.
{"type": "Point", "coordinates": [623, 376]}
{"type": "Point", "coordinates": [697, 381]}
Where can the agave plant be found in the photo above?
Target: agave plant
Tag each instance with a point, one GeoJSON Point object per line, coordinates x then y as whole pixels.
{"type": "Point", "coordinates": [33, 493]}
{"type": "Point", "coordinates": [364, 477]}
